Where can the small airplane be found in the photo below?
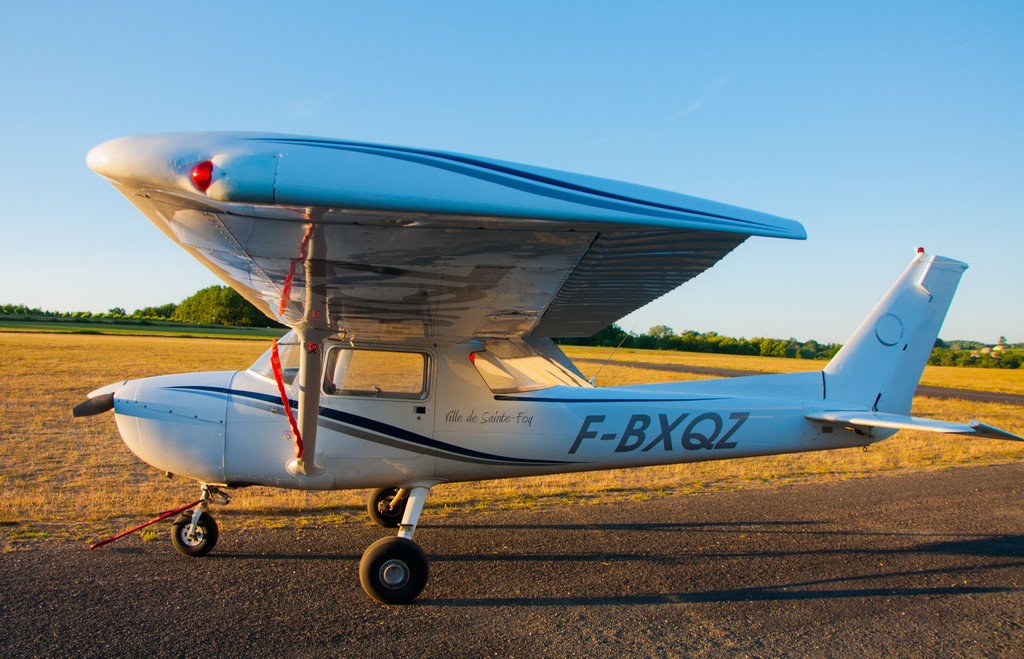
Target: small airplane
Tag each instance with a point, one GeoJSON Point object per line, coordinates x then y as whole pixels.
{"type": "Point", "coordinates": [423, 289]}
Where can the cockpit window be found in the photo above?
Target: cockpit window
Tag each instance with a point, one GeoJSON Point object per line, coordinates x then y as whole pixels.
{"type": "Point", "coordinates": [289, 350]}
{"type": "Point", "coordinates": [375, 373]}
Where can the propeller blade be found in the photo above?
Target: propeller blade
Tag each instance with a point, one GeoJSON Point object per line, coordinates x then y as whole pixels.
{"type": "Point", "coordinates": [97, 405]}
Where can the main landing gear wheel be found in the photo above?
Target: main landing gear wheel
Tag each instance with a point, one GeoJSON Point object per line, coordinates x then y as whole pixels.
{"type": "Point", "coordinates": [393, 570]}
{"type": "Point", "coordinates": [380, 508]}
{"type": "Point", "coordinates": [201, 542]}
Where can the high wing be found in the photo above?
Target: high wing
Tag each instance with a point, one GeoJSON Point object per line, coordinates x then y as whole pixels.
{"type": "Point", "coordinates": [393, 243]}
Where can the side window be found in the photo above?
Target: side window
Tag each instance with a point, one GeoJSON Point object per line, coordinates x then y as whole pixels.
{"type": "Point", "coordinates": [376, 374]}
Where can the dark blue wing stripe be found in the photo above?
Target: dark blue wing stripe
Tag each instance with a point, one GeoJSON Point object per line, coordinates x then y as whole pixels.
{"type": "Point", "coordinates": [528, 182]}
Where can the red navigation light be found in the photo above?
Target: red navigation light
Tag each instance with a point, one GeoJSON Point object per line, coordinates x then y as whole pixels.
{"type": "Point", "coordinates": [920, 250]}
{"type": "Point", "coordinates": [202, 175]}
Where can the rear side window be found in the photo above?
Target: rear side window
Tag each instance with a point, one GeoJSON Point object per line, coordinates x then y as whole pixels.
{"type": "Point", "coordinates": [522, 369]}
{"type": "Point", "coordinates": [376, 374]}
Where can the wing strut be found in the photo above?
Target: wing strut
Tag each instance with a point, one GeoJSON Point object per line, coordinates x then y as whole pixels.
{"type": "Point", "coordinates": [311, 358]}
{"type": "Point", "coordinates": [310, 363]}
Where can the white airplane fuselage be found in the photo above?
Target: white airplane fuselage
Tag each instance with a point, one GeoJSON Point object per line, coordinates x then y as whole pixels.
{"type": "Point", "coordinates": [230, 428]}
{"type": "Point", "coordinates": [423, 288]}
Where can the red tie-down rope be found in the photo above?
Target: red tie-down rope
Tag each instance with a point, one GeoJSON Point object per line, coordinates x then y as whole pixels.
{"type": "Point", "coordinates": [275, 363]}
{"type": "Point", "coordinates": [286, 294]}
{"type": "Point", "coordinates": [163, 515]}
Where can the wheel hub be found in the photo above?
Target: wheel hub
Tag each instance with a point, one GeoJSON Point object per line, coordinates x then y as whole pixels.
{"type": "Point", "coordinates": [394, 573]}
{"type": "Point", "coordinates": [192, 539]}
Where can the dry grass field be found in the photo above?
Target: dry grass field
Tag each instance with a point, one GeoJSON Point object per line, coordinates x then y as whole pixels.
{"type": "Point", "coordinates": [69, 478]}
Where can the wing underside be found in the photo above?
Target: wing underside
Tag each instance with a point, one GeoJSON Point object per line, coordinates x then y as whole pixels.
{"type": "Point", "coordinates": [386, 244]}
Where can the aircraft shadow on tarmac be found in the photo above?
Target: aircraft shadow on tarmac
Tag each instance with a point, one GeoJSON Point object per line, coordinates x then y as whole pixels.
{"type": "Point", "coordinates": [787, 592]}
{"type": "Point", "coordinates": [965, 543]}
{"type": "Point", "coordinates": [887, 583]}
{"type": "Point", "coordinates": [980, 557]}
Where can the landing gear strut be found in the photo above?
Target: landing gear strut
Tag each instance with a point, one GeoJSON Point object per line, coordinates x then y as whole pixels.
{"type": "Point", "coordinates": [194, 533]}
{"type": "Point", "coordinates": [394, 570]}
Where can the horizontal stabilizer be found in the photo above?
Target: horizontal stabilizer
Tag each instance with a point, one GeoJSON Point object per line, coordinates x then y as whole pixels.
{"type": "Point", "coordinates": [902, 422]}
{"type": "Point", "coordinates": [985, 430]}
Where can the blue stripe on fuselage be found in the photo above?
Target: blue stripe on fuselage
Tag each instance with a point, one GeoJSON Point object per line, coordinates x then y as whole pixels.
{"type": "Point", "coordinates": [392, 432]}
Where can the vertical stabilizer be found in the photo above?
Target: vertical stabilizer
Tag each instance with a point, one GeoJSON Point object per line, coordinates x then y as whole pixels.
{"type": "Point", "coordinates": [881, 364]}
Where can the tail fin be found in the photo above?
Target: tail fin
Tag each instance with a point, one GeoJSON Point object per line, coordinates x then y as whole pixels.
{"type": "Point", "coordinates": [880, 365]}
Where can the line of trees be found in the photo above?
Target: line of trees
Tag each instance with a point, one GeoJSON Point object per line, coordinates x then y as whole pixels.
{"type": "Point", "coordinates": [214, 305]}
{"type": "Point", "coordinates": [947, 357]}
{"type": "Point", "coordinates": [972, 353]}
{"type": "Point", "coordinates": [220, 305]}
{"type": "Point", "coordinates": [663, 337]}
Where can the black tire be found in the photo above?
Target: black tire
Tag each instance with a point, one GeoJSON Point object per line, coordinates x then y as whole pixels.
{"type": "Point", "coordinates": [393, 571]}
{"type": "Point", "coordinates": [380, 513]}
{"type": "Point", "coordinates": [205, 537]}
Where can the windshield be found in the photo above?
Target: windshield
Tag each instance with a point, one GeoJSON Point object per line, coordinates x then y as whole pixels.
{"type": "Point", "coordinates": [288, 349]}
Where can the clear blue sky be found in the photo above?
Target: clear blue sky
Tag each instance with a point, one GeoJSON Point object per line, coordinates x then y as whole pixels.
{"type": "Point", "coordinates": [881, 126]}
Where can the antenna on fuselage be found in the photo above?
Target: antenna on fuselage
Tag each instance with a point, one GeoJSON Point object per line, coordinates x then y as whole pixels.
{"type": "Point", "coordinates": [608, 361]}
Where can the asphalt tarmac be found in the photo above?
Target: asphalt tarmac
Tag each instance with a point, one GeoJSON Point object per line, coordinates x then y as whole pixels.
{"type": "Point", "coordinates": [920, 564]}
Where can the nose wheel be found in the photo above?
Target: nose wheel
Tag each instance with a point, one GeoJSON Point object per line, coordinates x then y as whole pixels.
{"type": "Point", "coordinates": [194, 533]}
{"type": "Point", "coordinates": [197, 539]}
